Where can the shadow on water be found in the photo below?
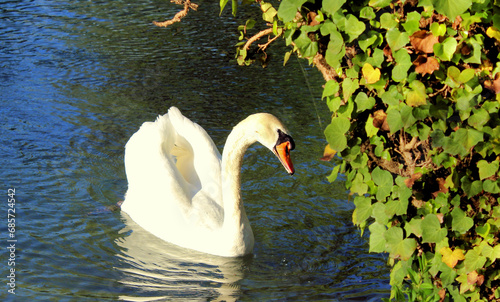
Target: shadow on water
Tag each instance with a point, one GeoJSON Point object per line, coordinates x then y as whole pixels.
{"type": "Point", "coordinates": [79, 78]}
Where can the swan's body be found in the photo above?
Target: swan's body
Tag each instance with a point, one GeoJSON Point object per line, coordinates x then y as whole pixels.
{"type": "Point", "coordinates": [181, 189]}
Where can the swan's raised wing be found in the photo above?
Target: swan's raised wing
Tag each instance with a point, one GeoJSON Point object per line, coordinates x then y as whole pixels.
{"type": "Point", "coordinates": [205, 162]}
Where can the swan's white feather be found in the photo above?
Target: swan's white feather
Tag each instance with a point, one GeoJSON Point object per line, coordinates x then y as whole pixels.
{"type": "Point", "coordinates": [175, 186]}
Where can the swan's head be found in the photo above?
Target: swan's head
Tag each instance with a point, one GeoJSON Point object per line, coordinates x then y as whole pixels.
{"type": "Point", "coordinates": [271, 133]}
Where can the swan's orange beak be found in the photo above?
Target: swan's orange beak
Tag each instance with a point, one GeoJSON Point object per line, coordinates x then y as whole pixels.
{"type": "Point", "coordinates": [282, 151]}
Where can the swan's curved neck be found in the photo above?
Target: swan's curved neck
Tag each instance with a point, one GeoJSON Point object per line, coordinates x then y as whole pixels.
{"type": "Point", "coordinates": [232, 158]}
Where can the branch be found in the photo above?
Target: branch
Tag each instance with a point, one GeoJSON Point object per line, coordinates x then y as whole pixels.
{"type": "Point", "coordinates": [257, 37]}
{"type": "Point", "coordinates": [177, 18]}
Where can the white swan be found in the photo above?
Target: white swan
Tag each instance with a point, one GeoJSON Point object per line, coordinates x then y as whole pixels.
{"type": "Point", "coordinates": [180, 189]}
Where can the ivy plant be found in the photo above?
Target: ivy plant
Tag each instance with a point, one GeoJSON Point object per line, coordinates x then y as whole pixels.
{"type": "Point", "coordinates": [413, 90]}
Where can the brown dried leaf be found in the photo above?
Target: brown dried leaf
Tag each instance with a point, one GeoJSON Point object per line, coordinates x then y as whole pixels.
{"type": "Point", "coordinates": [442, 187]}
{"type": "Point", "coordinates": [423, 41]}
{"type": "Point", "coordinates": [493, 85]}
{"type": "Point", "coordinates": [417, 203]}
{"type": "Point", "coordinates": [409, 182]}
{"type": "Point", "coordinates": [380, 120]}
{"type": "Point", "coordinates": [311, 16]}
{"type": "Point", "coordinates": [388, 53]}
{"type": "Point", "coordinates": [472, 278]}
{"type": "Point", "coordinates": [425, 65]}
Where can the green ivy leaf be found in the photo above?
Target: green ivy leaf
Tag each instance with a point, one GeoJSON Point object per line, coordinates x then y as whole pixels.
{"type": "Point", "coordinates": [403, 64]}
{"type": "Point", "coordinates": [335, 133]}
{"type": "Point", "coordinates": [336, 50]}
{"type": "Point", "coordinates": [460, 222]}
{"type": "Point", "coordinates": [332, 6]}
{"type": "Point", "coordinates": [307, 47]}
{"type": "Point", "coordinates": [288, 9]}
{"type": "Point", "coordinates": [396, 39]}
{"type": "Point", "coordinates": [412, 23]}
{"type": "Point", "coordinates": [363, 209]}
{"type": "Point", "coordinates": [479, 118]}
{"type": "Point", "coordinates": [364, 102]}
{"type": "Point", "coordinates": [331, 88]}
{"type": "Point", "coordinates": [396, 207]}
{"type": "Point", "coordinates": [394, 119]}
{"type": "Point", "coordinates": [471, 188]}
{"type": "Point", "coordinates": [474, 260]}
{"type": "Point", "coordinates": [414, 227]}
{"type": "Point", "coordinates": [349, 86]}
{"type": "Point", "coordinates": [370, 129]}
{"type": "Point", "coordinates": [379, 3]}
{"type": "Point", "coordinates": [368, 39]}
{"type": "Point", "coordinates": [378, 212]}
{"type": "Point", "coordinates": [491, 186]}
{"type": "Point", "coordinates": [431, 229]}
{"type": "Point", "coordinates": [359, 185]}
{"type": "Point", "coordinates": [353, 27]}
{"type": "Point", "coordinates": [377, 240]}
{"type": "Point", "coordinates": [383, 179]}
{"type": "Point", "coordinates": [438, 29]}
{"type": "Point", "coordinates": [388, 21]}
{"type": "Point", "coordinates": [483, 230]}
{"type": "Point", "coordinates": [487, 169]}
{"type": "Point", "coordinates": [367, 13]}
{"type": "Point", "coordinates": [451, 8]}
{"type": "Point", "coordinates": [446, 49]}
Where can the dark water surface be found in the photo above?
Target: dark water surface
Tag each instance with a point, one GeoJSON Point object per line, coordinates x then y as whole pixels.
{"type": "Point", "coordinates": [78, 78]}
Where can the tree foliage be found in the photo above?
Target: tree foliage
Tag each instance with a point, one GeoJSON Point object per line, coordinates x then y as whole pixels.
{"type": "Point", "coordinates": [413, 88]}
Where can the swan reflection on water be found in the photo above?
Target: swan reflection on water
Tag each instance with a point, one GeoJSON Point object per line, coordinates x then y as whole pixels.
{"type": "Point", "coordinates": [159, 270]}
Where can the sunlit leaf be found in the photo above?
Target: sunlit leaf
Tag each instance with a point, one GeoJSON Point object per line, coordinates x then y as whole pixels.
{"type": "Point", "coordinates": [451, 257]}
{"type": "Point", "coordinates": [417, 96]}
{"type": "Point", "coordinates": [494, 33]}
{"type": "Point", "coordinates": [483, 230]}
{"type": "Point", "coordinates": [370, 74]}
{"type": "Point", "coordinates": [438, 29]}
{"type": "Point", "coordinates": [268, 12]}
{"type": "Point", "coordinates": [487, 169]}
{"type": "Point", "coordinates": [328, 153]}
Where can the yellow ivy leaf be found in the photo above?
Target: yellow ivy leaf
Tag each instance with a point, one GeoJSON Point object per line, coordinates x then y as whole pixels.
{"type": "Point", "coordinates": [370, 74]}
{"type": "Point", "coordinates": [451, 257]}
{"type": "Point", "coordinates": [328, 154]}
{"type": "Point", "coordinates": [492, 32]}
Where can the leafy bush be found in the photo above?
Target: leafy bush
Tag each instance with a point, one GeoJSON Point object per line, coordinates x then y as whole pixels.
{"type": "Point", "coordinates": [413, 90]}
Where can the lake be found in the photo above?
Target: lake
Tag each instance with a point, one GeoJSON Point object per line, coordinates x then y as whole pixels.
{"type": "Point", "coordinates": [78, 79]}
